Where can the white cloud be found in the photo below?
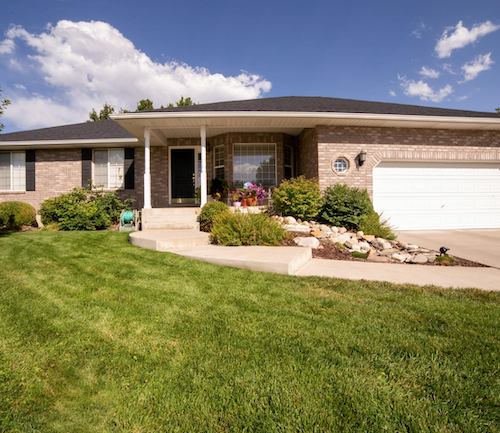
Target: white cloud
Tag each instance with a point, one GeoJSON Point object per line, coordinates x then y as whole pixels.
{"type": "Point", "coordinates": [461, 37]}
{"type": "Point", "coordinates": [418, 31]}
{"type": "Point", "coordinates": [7, 46]}
{"type": "Point", "coordinates": [428, 72]}
{"type": "Point", "coordinates": [479, 64]}
{"type": "Point", "coordinates": [423, 90]}
{"type": "Point", "coordinates": [19, 86]}
{"type": "Point", "coordinates": [448, 68]}
{"type": "Point", "coordinates": [392, 93]}
{"type": "Point", "coordinates": [463, 98]}
{"type": "Point", "coordinates": [90, 63]}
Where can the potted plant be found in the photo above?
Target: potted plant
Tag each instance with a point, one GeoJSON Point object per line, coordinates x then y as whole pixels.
{"type": "Point", "coordinates": [218, 189]}
{"type": "Point", "coordinates": [235, 195]}
{"type": "Point", "coordinates": [253, 193]}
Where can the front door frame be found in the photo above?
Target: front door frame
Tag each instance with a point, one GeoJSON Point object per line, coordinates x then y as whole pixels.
{"type": "Point", "coordinates": [197, 151]}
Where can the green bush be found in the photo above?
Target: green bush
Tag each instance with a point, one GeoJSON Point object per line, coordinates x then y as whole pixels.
{"type": "Point", "coordinates": [247, 229]}
{"type": "Point", "coordinates": [372, 224]}
{"type": "Point", "coordinates": [83, 209]}
{"type": "Point", "coordinates": [298, 197]}
{"type": "Point", "coordinates": [345, 206]}
{"type": "Point", "coordinates": [15, 214]}
{"type": "Point", "coordinates": [208, 213]}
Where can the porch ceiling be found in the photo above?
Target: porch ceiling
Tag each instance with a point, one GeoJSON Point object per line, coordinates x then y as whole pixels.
{"type": "Point", "coordinates": [187, 124]}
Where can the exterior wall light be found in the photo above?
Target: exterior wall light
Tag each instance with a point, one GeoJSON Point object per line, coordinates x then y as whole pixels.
{"type": "Point", "coordinates": [362, 157]}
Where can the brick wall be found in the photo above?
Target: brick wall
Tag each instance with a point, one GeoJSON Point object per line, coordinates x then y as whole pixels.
{"type": "Point", "coordinates": [307, 153]}
{"type": "Point", "coordinates": [397, 144]}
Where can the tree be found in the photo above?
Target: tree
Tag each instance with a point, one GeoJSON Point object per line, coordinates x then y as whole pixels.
{"type": "Point", "coordinates": [498, 110]}
{"type": "Point", "coordinates": [180, 103]}
{"type": "Point", "coordinates": [3, 105]}
{"type": "Point", "coordinates": [145, 104]}
{"type": "Point", "coordinates": [103, 114]}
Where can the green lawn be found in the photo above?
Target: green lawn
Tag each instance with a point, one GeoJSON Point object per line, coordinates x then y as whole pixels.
{"type": "Point", "coordinates": [97, 335]}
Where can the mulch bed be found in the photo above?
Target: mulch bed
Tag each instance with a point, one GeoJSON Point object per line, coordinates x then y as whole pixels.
{"type": "Point", "coordinates": [331, 251]}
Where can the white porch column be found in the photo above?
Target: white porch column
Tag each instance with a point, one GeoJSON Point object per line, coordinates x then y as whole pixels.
{"type": "Point", "coordinates": [147, 168]}
{"type": "Point", "coordinates": [203, 174]}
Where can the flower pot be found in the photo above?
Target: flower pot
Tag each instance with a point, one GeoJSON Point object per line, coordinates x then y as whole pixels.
{"type": "Point", "coordinates": [237, 204]}
{"type": "Point", "coordinates": [252, 201]}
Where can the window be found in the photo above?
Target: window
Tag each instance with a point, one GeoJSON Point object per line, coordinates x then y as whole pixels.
{"type": "Point", "coordinates": [288, 157]}
{"type": "Point", "coordinates": [12, 171]}
{"type": "Point", "coordinates": [219, 162]}
{"type": "Point", "coordinates": [109, 168]}
{"type": "Point", "coordinates": [255, 163]}
{"type": "Point", "coordinates": [340, 165]}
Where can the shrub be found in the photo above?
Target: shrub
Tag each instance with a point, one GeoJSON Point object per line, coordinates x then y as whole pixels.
{"type": "Point", "coordinates": [247, 229]}
{"type": "Point", "coordinates": [372, 224]}
{"type": "Point", "coordinates": [345, 206]}
{"type": "Point", "coordinates": [445, 259]}
{"type": "Point", "coordinates": [83, 209]}
{"type": "Point", "coordinates": [15, 214]}
{"type": "Point", "coordinates": [208, 213]}
{"type": "Point", "coordinates": [298, 197]}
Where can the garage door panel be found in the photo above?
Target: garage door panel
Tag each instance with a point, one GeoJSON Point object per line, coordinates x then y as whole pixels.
{"type": "Point", "coordinates": [438, 195]}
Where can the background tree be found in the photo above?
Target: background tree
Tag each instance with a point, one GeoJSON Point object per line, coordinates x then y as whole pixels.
{"type": "Point", "coordinates": [145, 104]}
{"type": "Point", "coordinates": [103, 114]}
{"type": "Point", "coordinates": [180, 103]}
{"type": "Point", "coordinates": [3, 105]}
{"type": "Point", "coordinates": [498, 109]}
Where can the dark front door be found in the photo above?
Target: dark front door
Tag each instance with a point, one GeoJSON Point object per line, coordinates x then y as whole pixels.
{"type": "Point", "coordinates": [183, 175]}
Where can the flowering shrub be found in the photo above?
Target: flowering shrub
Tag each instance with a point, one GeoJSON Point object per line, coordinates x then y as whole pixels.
{"type": "Point", "coordinates": [251, 190]}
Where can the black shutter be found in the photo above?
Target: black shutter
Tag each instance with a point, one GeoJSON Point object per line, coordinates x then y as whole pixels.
{"type": "Point", "coordinates": [129, 169]}
{"type": "Point", "coordinates": [86, 167]}
{"type": "Point", "coordinates": [30, 170]}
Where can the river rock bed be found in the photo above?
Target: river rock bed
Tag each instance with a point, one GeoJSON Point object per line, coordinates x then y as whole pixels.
{"type": "Point", "coordinates": [338, 243]}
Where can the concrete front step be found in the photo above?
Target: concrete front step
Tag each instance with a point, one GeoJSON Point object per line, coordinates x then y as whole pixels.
{"type": "Point", "coordinates": [163, 240]}
{"type": "Point", "coordinates": [171, 218]}
{"type": "Point", "coordinates": [168, 211]}
{"type": "Point", "coordinates": [167, 225]}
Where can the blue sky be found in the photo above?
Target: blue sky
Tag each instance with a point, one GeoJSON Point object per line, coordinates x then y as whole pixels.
{"type": "Point", "coordinates": [61, 58]}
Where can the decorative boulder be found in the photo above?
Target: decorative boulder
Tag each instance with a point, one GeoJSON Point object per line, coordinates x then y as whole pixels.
{"type": "Point", "coordinates": [307, 242]}
{"type": "Point", "coordinates": [290, 220]}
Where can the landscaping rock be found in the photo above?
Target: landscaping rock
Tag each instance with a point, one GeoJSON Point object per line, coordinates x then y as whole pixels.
{"type": "Point", "coordinates": [348, 244]}
{"type": "Point", "coordinates": [325, 228]}
{"type": "Point", "coordinates": [317, 233]}
{"type": "Point", "coordinates": [386, 245]}
{"type": "Point", "coordinates": [402, 244]}
{"type": "Point", "coordinates": [290, 220]}
{"type": "Point", "coordinates": [334, 230]}
{"type": "Point", "coordinates": [360, 234]}
{"type": "Point", "coordinates": [389, 251]}
{"type": "Point", "coordinates": [341, 239]}
{"type": "Point", "coordinates": [419, 258]}
{"type": "Point", "coordinates": [401, 257]}
{"type": "Point", "coordinates": [411, 247]}
{"type": "Point", "coordinates": [342, 230]}
{"type": "Point", "coordinates": [372, 256]}
{"type": "Point", "coordinates": [365, 246]}
{"type": "Point", "coordinates": [297, 228]}
{"type": "Point", "coordinates": [354, 247]}
{"type": "Point", "coordinates": [307, 242]}
{"type": "Point", "coordinates": [375, 244]}
{"type": "Point", "coordinates": [368, 238]}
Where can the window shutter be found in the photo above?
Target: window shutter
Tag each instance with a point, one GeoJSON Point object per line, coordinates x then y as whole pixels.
{"type": "Point", "coordinates": [30, 170]}
{"type": "Point", "coordinates": [86, 167]}
{"type": "Point", "coordinates": [129, 169]}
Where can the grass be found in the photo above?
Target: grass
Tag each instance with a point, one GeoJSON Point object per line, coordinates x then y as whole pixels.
{"type": "Point", "coordinates": [100, 336]}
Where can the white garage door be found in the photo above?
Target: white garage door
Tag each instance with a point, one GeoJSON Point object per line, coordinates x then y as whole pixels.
{"type": "Point", "coordinates": [421, 195]}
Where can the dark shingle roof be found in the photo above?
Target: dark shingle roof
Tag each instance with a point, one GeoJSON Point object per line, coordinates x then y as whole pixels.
{"type": "Point", "coordinates": [100, 130]}
{"type": "Point", "coordinates": [327, 105]}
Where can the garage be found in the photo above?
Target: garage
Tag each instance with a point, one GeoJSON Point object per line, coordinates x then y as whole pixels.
{"type": "Point", "coordinates": [437, 195]}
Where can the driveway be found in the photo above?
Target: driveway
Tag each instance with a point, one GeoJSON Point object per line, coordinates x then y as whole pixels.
{"type": "Point", "coordinates": [481, 245]}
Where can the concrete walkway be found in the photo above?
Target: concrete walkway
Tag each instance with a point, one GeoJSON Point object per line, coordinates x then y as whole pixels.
{"type": "Point", "coordinates": [297, 261]}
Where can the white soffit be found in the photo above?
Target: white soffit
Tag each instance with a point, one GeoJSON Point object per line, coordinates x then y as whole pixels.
{"type": "Point", "coordinates": [187, 124]}
{"type": "Point", "coordinates": [68, 144]}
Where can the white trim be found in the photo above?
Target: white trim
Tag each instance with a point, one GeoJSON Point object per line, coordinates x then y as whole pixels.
{"type": "Point", "coordinates": [304, 115]}
{"type": "Point", "coordinates": [260, 144]}
{"type": "Point", "coordinates": [219, 166]}
{"type": "Point", "coordinates": [11, 173]}
{"type": "Point", "coordinates": [147, 168]}
{"type": "Point", "coordinates": [197, 150]}
{"type": "Point", "coordinates": [203, 176]}
{"type": "Point", "coordinates": [77, 143]}
{"type": "Point", "coordinates": [108, 187]}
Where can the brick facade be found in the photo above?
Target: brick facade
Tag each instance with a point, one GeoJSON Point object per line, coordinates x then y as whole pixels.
{"type": "Point", "coordinates": [397, 144]}
{"type": "Point", "coordinates": [315, 149]}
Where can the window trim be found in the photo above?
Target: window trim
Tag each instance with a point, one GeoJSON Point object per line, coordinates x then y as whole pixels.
{"type": "Point", "coordinates": [275, 159]}
{"type": "Point", "coordinates": [108, 188]}
{"type": "Point", "coordinates": [223, 166]}
{"type": "Point", "coordinates": [11, 180]}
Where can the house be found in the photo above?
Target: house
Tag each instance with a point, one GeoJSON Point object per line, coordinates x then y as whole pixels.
{"type": "Point", "coordinates": [425, 168]}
